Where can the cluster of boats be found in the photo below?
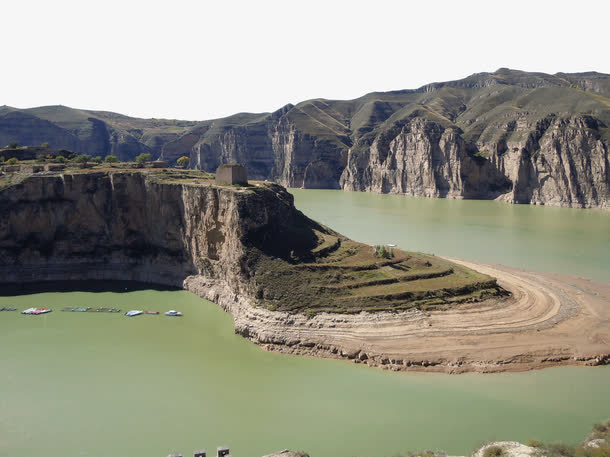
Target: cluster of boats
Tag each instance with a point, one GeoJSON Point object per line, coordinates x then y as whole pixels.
{"type": "Point", "coordinates": [137, 312]}
{"type": "Point", "coordinates": [87, 309]}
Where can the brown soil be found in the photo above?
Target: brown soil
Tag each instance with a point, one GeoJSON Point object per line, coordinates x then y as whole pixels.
{"type": "Point", "coordinates": [548, 320]}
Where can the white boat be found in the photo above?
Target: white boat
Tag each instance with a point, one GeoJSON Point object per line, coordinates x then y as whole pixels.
{"type": "Point", "coordinates": [391, 245]}
{"type": "Point", "coordinates": [134, 312]}
{"type": "Point", "coordinates": [36, 311]}
{"type": "Point", "coordinates": [173, 312]}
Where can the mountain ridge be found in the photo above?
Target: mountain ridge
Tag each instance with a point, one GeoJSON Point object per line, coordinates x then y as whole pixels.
{"type": "Point", "coordinates": [521, 137]}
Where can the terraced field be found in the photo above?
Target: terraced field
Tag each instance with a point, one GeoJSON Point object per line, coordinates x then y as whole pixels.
{"type": "Point", "coordinates": [344, 276]}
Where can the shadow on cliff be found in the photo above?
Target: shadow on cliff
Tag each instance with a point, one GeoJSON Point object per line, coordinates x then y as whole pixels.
{"type": "Point", "coordinates": [79, 286]}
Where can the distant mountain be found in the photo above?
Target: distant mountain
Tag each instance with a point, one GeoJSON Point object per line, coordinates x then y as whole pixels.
{"type": "Point", "coordinates": [512, 135]}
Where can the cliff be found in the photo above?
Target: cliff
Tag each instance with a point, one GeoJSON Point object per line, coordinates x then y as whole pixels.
{"type": "Point", "coordinates": [134, 226]}
{"type": "Point", "coordinates": [510, 135]}
{"type": "Point", "coordinates": [291, 284]}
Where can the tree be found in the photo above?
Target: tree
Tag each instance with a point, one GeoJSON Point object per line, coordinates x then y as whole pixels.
{"type": "Point", "coordinates": [183, 161]}
{"type": "Point", "coordinates": [46, 145]}
{"type": "Point", "coordinates": [97, 159]}
{"type": "Point", "coordinates": [60, 159]}
{"type": "Point", "coordinates": [83, 158]}
{"type": "Point", "coordinates": [2, 159]}
{"type": "Point", "coordinates": [144, 157]}
{"type": "Point", "coordinates": [110, 159]}
{"type": "Point", "coordinates": [13, 145]}
{"type": "Point", "coordinates": [12, 161]}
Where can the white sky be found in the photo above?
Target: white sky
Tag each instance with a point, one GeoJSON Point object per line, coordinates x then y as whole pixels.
{"type": "Point", "coordinates": [200, 59]}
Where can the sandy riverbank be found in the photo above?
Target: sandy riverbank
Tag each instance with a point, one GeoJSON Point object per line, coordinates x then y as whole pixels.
{"type": "Point", "coordinates": [548, 320]}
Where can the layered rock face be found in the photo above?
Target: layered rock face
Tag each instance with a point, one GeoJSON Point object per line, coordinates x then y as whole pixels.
{"type": "Point", "coordinates": [122, 226]}
{"type": "Point", "coordinates": [511, 135]}
{"type": "Point", "coordinates": [556, 161]}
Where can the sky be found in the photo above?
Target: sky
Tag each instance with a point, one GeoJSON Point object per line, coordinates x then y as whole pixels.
{"type": "Point", "coordinates": [201, 60]}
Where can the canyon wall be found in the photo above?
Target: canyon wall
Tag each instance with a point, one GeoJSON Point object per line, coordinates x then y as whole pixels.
{"type": "Point", "coordinates": [515, 136]}
{"type": "Point", "coordinates": [127, 226]}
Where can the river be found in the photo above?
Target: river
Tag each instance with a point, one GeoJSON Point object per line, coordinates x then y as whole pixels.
{"type": "Point", "coordinates": [94, 384]}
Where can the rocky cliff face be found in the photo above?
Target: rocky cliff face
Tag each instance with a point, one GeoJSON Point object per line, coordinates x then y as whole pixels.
{"type": "Point", "coordinates": [556, 161]}
{"type": "Point", "coordinates": [515, 136]}
{"type": "Point", "coordinates": [101, 225]}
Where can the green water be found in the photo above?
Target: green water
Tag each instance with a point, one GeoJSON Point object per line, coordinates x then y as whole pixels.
{"type": "Point", "coordinates": [541, 238]}
{"type": "Point", "coordinates": [92, 384]}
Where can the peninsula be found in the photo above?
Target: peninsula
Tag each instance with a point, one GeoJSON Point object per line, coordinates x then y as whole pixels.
{"type": "Point", "coordinates": [294, 285]}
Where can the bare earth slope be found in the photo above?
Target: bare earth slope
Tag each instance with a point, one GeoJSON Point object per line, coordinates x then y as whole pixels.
{"type": "Point", "coordinates": [548, 320]}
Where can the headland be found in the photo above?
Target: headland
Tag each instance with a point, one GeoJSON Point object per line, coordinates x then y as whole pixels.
{"type": "Point", "coordinates": [294, 285]}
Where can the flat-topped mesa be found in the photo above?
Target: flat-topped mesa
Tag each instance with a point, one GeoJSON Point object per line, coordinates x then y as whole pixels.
{"type": "Point", "coordinates": [164, 226]}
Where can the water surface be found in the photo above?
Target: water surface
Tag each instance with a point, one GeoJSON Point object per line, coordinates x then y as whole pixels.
{"type": "Point", "coordinates": [569, 241]}
{"type": "Point", "coordinates": [74, 384]}
{"type": "Point", "coordinates": [84, 384]}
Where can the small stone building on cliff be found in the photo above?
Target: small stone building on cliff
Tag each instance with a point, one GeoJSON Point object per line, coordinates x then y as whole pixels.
{"type": "Point", "coordinates": [231, 173]}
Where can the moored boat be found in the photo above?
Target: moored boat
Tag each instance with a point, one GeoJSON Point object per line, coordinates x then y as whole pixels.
{"type": "Point", "coordinates": [151, 312]}
{"type": "Point", "coordinates": [173, 312]}
{"type": "Point", "coordinates": [36, 311]}
{"type": "Point", "coordinates": [134, 312]}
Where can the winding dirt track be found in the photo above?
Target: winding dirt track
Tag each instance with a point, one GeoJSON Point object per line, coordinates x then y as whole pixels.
{"type": "Point", "coordinates": [548, 320]}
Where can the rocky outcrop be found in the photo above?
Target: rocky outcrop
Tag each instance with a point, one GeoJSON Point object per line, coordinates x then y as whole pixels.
{"type": "Point", "coordinates": [126, 225]}
{"type": "Point", "coordinates": [555, 161]}
{"type": "Point", "coordinates": [510, 135]}
{"type": "Point", "coordinates": [249, 250]}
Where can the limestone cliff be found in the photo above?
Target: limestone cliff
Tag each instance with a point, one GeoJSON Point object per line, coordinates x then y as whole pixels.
{"type": "Point", "coordinates": [127, 225]}
{"type": "Point", "coordinates": [556, 161]}
{"type": "Point", "coordinates": [511, 135]}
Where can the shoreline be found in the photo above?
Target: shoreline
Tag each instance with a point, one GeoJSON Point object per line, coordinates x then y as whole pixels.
{"type": "Point", "coordinates": [549, 320]}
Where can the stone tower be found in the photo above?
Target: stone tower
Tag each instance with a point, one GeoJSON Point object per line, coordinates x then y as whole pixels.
{"type": "Point", "coordinates": [231, 173]}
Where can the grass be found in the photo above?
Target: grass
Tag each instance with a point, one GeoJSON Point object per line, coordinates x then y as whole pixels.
{"type": "Point", "coordinates": [349, 278]}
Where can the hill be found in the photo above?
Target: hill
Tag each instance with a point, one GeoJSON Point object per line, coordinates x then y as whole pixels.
{"type": "Point", "coordinates": [511, 135]}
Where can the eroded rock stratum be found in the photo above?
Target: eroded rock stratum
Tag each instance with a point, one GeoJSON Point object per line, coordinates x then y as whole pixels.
{"type": "Point", "coordinates": [292, 284]}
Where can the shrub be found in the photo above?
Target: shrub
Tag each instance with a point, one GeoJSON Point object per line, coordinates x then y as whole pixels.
{"type": "Point", "coordinates": [144, 157]}
{"type": "Point", "coordinates": [533, 443]}
{"type": "Point", "coordinates": [561, 450]}
{"type": "Point", "coordinates": [46, 145]}
{"type": "Point", "coordinates": [383, 253]}
{"type": "Point", "coordinates": [97, 159]}
{"type": "Point", "coordinates": [12, 161]}
{"type": "Point", "coordinates": [13, 145]}
{"type": "Point", "coordinates": [83, 158]}
{"type": "Point", "coordinates": [60, 159]}
{"type": "Point", "coordinates": [110, 159]}
{"type": "Point", "coordinates": [2, 159]}
{"type": "Point", "coordinates": [493, 451]}
{"type": "Point", "coordinates": [183, 161]}
{"type": "Point", "coordinates": [40, 159]}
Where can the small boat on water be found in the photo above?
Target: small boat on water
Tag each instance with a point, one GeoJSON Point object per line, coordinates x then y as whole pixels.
{"type": "Point", "coordinates": [36, 311]}
{"type": "Point", "coordinates": [133, 313]}
{"type": "Point", "coordinates": [76, 309]}
{"type": "Point", "coordinates": [391, 245]}
{"type": "Point", "coordinates": [106, 310]}
{"type": "Point", "coordinates": [6, 308]}
{"type": "Point", "coordinates": [151, 312]}
{"type": "Point", "coordinates": [173, 312]}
